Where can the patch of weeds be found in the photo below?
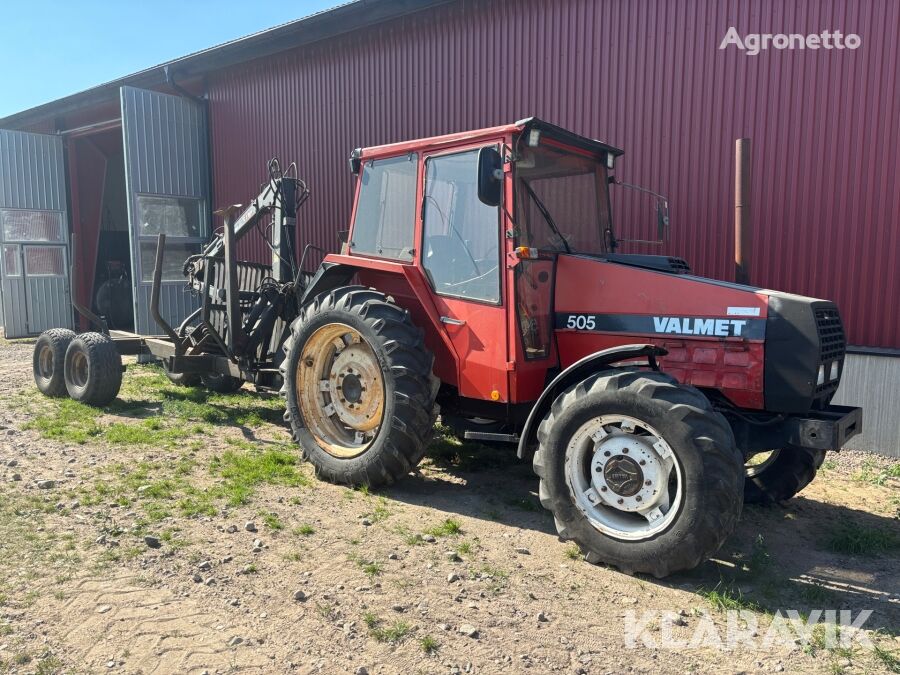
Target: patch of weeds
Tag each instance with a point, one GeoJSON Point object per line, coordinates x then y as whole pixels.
{"type": "Point", "coordinates": [272, 521]}
{"type": "Point", "coordinates": [251, 569]}
{"type": "Point", "coordinates": [370, 619]}
{"type": "Point", "coordinates": [294, 556]}
{"type": "Point", "coordinates": [22, 658]}
{"type": "Point", "coordinates": [372, 568]}
{"type": "Point", "coordinates": [876, 475]}
{"type": "Point", "coordinates": [327, 611]}
{"type": "Point", "coordinates": [48, 665]}
{"type": "Point", "coordinates": [304, 530]}
{"type": "Point", "coordinates": [450, 452]}
{"type": "Point", "coordinates": [465, 547]}
{"type": "Point", "coordinates": [447, 528]}
{"type": "Point", "coordinates": [573, 552]}
{"type": "Point", "coordinates": [380, 512]}
{"type": "Point", "coordinates": [760, 559]}
{"type": "Point", "coordinates": [828, 465]}
{"type": "Point", "coordinates": [853, 539]}
{"type": "Point", "coordinates": [815, 594]}
{"type": "Point", "coordinates": [724, 597]}
{"type": "Point", "coordinates": [428, 644]}
{"type": "Point", "coordinates": [394, 633]}
{"type": "Point", "coordinates": [496, 577]}
{"type": "Point", "coordinates": [363, 490]}
{"type": "Point", "coordinates": [889, 659]}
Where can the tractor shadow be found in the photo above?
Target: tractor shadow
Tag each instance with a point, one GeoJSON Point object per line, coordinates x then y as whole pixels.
{"type": "Point", "coordinates": [802, 555]}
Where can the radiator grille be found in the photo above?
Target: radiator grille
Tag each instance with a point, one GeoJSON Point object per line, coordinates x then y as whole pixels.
{"type": "Point", "coordinates": [832, 344]}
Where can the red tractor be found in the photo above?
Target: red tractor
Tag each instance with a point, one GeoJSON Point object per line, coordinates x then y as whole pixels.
{"type": "Point", "coordinates": [480, 280]}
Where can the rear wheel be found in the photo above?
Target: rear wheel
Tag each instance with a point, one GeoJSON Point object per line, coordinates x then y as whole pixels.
{"type": "Point", "coordinates": [358, 386]}
{"type": "Point", "coordinates": [93, 369]}
{"type": "Point", "coordinates": [778, 475]}
{"type": "Point", "coordinates": [639, 471]}
{"type": "Point", "coordinates": [49, 359]}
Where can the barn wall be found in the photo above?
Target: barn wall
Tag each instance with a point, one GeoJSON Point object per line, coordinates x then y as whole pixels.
{"type": "Point", "coordinates": [643, 75]}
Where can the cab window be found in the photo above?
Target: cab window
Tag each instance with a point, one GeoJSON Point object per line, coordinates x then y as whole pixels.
{"type": "Point", "coordinates": [385, 212]}
{"type": "Point", "coordinates": [461, 251]}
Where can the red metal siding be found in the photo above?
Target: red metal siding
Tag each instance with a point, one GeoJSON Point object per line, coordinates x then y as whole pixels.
{"type": "Point", "coordinates": [643, 75]}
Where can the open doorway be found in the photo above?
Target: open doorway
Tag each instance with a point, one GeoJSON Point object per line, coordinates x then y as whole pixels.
{"type": "Point", "coordinates": [102, 270]}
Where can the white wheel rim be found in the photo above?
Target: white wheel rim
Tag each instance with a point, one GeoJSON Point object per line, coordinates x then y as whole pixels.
{"type": "Point", "coordinates": [624, 477]}
{"type": "Point", "coordinates": [757, 467]}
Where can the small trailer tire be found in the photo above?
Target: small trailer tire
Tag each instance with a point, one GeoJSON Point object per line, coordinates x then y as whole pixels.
{"type": "Point", "coordinates": [93, 369]}
{"type": "Point", "coordinates": [49, 360]}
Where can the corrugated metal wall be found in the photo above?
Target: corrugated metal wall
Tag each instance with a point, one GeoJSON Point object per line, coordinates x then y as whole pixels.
{"type": "Point", "coordinates": [871, 383]}
{"type": "Point", "coordinates": [643, 75]}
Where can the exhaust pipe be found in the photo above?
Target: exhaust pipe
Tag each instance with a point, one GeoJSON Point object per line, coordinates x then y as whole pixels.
{"type": "Point", "coordinates": [742, 217]}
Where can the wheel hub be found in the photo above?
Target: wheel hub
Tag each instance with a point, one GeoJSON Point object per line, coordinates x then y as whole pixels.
{"type": "Point", "coordinates": [340, 390]}
{"type": "Point", "coordinates": [623, 476]}
{"type": "Point", "coordinates": [620, 471]}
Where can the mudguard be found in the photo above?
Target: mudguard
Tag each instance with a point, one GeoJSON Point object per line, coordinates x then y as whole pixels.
{"type": "Point", "coordinates": [575, 373]}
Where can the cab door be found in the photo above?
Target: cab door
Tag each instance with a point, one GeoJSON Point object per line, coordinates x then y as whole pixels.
{"type": "Point", "coordinates": [461, 257]}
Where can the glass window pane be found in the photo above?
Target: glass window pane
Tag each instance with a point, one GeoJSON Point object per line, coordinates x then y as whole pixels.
{"type": "Point", "coordinates": [173, 260]}
{"type": "Point", "coordinates": [20, 225]}
{"type": "Point", "coordinates": [385, 215]}
{"type": "Point", "coordinates": [173, 216]}
{"type": "Point", "coordinates": [461, 249]}
{"type": "Point", "coordinates": [44, 261]}
{"type": "Point", "coordinates": [11, 261]}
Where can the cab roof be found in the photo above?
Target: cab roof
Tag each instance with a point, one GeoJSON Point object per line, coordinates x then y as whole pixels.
{"type": "Point", "coordinates": [528, 124]}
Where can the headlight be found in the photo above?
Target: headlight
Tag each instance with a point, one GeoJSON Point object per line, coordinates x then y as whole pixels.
{"type": "Point", "coordinates": [833, 375]}
{"type": "Point", "coordinates": [820, 380]}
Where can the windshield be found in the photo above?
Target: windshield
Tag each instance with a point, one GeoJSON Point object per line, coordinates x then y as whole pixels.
{"type": "Point", "coordinates": [562, 201]}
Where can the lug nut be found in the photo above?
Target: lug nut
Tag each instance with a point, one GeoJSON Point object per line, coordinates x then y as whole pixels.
{"type": "Point", "coordinates": [599, 469]}
{"type": "Point", "coordinates": [602, 488]}
{"type": "Point", "coordinates": [624, 451]}
{"type": "Point", "coordinates": [642, 462]}
{"type": "Point", "coordinates": [638, 498]}
{"type": "Point", "coordinates": [621, 501]}
{"type": "Point", "coordinates": [647, 483]}
{"type": "Point", "coordinates": [606, 453]}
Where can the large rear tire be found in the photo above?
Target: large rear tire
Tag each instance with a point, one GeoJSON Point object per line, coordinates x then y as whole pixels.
{"type": "Point", "coordinates": [781, 474]}
{"type": "Point", "coordinates": [49, 359]}
{"type": "Point", "coordinates": [639, 471]}
{"type": "Point", "coordinates": [93, 369]}
{"type": "Point", "coordinates": [358, 387]}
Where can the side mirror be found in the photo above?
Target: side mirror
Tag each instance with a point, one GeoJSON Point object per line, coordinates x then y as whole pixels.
{"type": "Point", "coordinates": [662, 219]}
{"type": "Point", "coordinates": [490, 176]}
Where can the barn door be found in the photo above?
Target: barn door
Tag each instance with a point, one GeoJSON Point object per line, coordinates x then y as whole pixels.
{"type": "Point", "coordinates": [34, 280]}
{"type": "Point", "coordinates": [167, 181]}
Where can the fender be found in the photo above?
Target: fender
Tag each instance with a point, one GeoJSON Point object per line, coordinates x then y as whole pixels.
{"type": "Point", "coordinates": [330, 275]}
{"type": "Point", "coordinates": [575, 373]}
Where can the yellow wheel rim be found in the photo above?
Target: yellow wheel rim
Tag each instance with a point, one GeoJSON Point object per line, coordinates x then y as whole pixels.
{"type": "Point", "coordinates": [340, 390]}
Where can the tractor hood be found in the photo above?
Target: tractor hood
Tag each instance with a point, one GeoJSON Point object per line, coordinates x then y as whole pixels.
{"type": "Point", "coordinates": [764, 349]}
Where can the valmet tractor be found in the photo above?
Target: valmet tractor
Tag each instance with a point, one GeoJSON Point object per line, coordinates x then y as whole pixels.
{"type": "Point", "coordinates": [481, 279]}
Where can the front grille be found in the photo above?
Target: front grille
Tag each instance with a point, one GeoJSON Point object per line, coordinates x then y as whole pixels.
{"type": "Point", "coordinates": [832, 344]}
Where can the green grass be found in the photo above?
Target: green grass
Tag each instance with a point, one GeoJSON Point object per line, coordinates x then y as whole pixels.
{"type": "Point", "coordinates": [573, 552]}
{"type": "Point", "coordinates": [428, 644]}
{"type": "Point", "coordinates": [272, 521]}
{"type": "Point", "coordinates": [149, 411]}
{"type": "Point", "coordinates": [724, 598]}
{"type": "Point", "coordinates": [393, 633]}
{"type": "Point", "coordinates": [889, 659]}
{"type": "Point", "coordinates": [447, 528]}
{"type": "Point", "coordinates": [304, 530]}
{"type": "Point", "coordinates": [875, 475]}
{"type": "Point", "coordinates": [853, 539]}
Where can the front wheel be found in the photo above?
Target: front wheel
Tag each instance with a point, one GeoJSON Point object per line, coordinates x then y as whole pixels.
{"type": "Point", "coordinates": [777, 475]}
{"type": "Point", "coordinates": [358, 387]}
{"type": "Point", "coordinates": [639, 471]}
